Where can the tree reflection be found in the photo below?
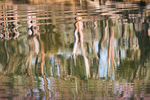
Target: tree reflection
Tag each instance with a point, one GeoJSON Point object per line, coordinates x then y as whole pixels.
{"type": "Point", "coordinates": [110, 50]}
{"type": "Point", "coordinates": [79, 29]}
{"type": "Point", "coordinates": [46, 63]}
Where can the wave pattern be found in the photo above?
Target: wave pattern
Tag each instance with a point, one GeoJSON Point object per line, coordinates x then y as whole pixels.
{"type": "Point", "coordinates": [79, 50]}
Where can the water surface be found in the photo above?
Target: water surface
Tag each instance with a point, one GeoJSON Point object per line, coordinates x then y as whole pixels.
{"type": "Point", "coordinates": [74, 51]}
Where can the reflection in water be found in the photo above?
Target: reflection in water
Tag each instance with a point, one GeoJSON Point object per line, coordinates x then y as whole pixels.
{"type": "Point", "coordinates": [74, 50]}
{"type": "Point", "coordinates": [79, 29]}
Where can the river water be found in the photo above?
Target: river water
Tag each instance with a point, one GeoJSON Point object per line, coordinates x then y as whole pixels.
{"type": "Point", "coordinates": [74, 51]}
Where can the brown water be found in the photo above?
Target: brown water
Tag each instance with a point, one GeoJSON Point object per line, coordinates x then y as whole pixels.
{"type": "Point", "coordinates": [74, 51]}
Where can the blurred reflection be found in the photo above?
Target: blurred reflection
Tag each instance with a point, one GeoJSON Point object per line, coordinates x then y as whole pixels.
{"type": "Point", "coordinates": [110, 50]}
{"type": "Point", "coordinates": [37, 1]}
{"type": "Point", "coordinates": [9, 30]}
{"type": "Point", "coordinates": [40, 58]}
{"type": "Point", "coordinates": [79, 29]}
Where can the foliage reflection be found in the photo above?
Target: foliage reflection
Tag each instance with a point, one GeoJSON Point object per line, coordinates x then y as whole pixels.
{"type": "Point", "coordinates": [85, 58]}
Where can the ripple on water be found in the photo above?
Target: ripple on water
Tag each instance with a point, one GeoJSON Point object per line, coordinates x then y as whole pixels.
{"type": "Point", "coordinates": [74, 50]}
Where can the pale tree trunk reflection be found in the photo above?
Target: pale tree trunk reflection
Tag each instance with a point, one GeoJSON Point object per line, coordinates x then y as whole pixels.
{"type": "Point", "coordinates": [110, 51]}
{"type": "Point", "coordinates": [79, 31]}
{"type": "Point", "coordinates": [34, 47]}
{"type": "Point", "coordinates": [110, 48]}
{"type": "Point", "coordinates": [42, 70]}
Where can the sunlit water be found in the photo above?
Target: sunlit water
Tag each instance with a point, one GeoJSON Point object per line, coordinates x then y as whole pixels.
{"type": "Point", "coordinates": [74, 51]}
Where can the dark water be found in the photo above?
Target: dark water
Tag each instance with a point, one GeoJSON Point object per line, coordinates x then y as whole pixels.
{"type": "Point", "coordinates": [74, 51]}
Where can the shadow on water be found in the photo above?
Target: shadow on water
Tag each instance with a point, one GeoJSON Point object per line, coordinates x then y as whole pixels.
{"type": "Point", "coordinates": [77, 50]}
